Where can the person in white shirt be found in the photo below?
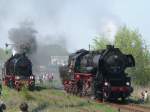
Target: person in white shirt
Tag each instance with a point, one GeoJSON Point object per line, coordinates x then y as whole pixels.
{"type": "Point", "coordinates": [145, 95]}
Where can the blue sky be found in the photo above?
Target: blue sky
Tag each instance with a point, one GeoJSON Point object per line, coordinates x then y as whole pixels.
{"type": "Point", "coordinates": [78, 21]}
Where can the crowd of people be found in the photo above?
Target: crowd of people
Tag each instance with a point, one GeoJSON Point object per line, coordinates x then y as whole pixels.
{"type": "Point", "coordinates": [45, 77]}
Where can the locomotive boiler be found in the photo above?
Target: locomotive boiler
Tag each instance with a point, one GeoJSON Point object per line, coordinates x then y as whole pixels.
{"type": "Point", "coordinates": [17, 72]}
{"type": "Point", "coordinates": [99, 73]}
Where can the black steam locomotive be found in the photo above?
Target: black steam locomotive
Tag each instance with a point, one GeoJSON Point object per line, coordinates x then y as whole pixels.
{"type": "Point", "coordinates": [101, 73]}
{"type": "Point", "coordinates": [17, 72]}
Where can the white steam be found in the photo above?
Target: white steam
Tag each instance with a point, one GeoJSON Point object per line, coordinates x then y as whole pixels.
{"type": "Point", "coordinates": [110, 29]}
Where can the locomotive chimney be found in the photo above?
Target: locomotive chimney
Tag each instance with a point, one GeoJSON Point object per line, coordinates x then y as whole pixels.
{"type": "Point", "coordinates": [110, 46]}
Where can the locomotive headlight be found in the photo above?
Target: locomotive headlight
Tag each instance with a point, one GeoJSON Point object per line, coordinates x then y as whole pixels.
{"type": "Point", "coordinates": [17, 77]}
{"type": "Point", "coordinates": [106, 83]}
{"type": "Point", "coordinates": [128, 83]}
{"type": "Point", "coordinates": [31, 77]}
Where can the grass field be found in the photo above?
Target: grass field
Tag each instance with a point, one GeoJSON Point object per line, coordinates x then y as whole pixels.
{"type": "Point", "coordinates": [50, 100]}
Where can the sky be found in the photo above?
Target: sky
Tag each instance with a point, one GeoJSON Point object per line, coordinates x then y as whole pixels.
{"type": "Point", "coordinates": [77, 21]}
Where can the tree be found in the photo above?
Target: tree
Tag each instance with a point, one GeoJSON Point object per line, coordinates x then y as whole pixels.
{"type": "Point", "coordinates": [130, 42]}
{"type": "Point", "coordinates": [4, 54]}
{"type": "Point", "coordinates": [100, 42]}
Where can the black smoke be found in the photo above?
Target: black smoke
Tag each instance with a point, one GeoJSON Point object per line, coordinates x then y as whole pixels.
{"type": "Point", "coordinates": [23, 38]}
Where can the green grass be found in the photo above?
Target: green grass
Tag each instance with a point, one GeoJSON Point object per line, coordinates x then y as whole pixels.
{"type": "Point", "coordinates": [50, 100]}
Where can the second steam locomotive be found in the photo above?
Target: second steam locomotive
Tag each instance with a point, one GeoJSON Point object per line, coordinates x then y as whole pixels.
{"type": "Point", "coordinates": [99, 73]}
{"type": "Point", "coordinates": [17, 72]}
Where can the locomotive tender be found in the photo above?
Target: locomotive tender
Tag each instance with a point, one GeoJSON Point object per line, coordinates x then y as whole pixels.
{"type": "Point", "coordinates": [99, 73]}
{"type": "Point", "coordinates": [17, 72]}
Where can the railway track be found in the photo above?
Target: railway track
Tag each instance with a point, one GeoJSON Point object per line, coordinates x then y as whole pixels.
{"type": "Point", "coordinates": [129, 107]}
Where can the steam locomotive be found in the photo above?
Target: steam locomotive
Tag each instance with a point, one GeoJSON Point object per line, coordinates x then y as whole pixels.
{"type": "Point", "coordinates": [17, 72]}
{"type": "Point", "coordinates": [98, 73]}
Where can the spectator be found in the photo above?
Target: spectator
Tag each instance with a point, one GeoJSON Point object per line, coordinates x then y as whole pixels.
{"type": "Point", "coordinates": [40, 79]}
{"type": "Point", "coordinates": [141, 100]}
{"type": "Point", "coordinates": [145, 96]}
{"type": "Point", "coordinates": [24, 107]}
{"type": "Point", "coordinates": [50, 77]}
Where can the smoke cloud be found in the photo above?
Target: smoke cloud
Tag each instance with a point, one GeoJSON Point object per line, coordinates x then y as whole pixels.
{"type": "Point", "coordinates": [23, 38]}
{"type": "Point", "coordinates": [79, 21]}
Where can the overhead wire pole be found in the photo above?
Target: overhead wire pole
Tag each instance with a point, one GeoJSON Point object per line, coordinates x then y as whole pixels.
{"type": "Point", "coordinates": [89, 47]}
{"type": "Point", "coordinates": [6, 45]}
